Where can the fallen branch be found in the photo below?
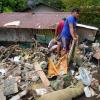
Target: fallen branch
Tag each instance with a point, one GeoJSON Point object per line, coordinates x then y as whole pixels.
{"type": "Point", "coordinates": [65, 94]}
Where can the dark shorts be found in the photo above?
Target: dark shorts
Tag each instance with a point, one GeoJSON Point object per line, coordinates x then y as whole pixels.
{"type": "Point", "coordinates": [65, 43]}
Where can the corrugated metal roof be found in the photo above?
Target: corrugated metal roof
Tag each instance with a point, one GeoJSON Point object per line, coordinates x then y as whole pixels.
{"type": "Point", "coordinates": [35, 21]}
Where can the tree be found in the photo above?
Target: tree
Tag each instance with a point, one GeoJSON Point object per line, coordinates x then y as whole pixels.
{"type": "Point", "coordinates": [13, 5]}
{"type": "Point", "coordinates": [55, 3]}
{"type": "Point", "coordinates": [90, 9]}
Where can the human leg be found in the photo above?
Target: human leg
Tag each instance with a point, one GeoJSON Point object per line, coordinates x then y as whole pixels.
{"type": "Point", "coordinates": [65, 46]}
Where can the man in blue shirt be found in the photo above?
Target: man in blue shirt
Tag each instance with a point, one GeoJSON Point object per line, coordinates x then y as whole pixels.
{"type": "Point", "coordinates": [69, 30]}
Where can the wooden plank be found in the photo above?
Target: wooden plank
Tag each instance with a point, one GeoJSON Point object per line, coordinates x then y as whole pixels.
{"type": "Point", "coordinates": [71, 51]}
{"type": "Point", "coordinates": [41, 74]}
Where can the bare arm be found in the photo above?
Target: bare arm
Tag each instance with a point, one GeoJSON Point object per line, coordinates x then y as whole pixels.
{"type": "Point", "coordinates": [56, 29]}
{"type": "Point", "coordinates": [72, 31]}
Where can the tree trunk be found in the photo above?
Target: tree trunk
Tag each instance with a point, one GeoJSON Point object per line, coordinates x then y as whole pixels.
{"type": "Point", "coordinates": [65, 94]}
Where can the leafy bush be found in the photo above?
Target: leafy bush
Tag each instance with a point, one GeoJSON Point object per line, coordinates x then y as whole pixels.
{"type": "Point", "coordinates": [8, 9]}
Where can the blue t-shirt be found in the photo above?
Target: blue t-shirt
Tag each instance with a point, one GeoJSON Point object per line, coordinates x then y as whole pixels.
{"type": "Point", "coordinates": [66, 30]}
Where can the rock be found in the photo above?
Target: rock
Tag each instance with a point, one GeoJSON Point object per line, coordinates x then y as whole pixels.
{"type": "Point", "coordinates": [43, 64]}
{"type": "Point", "coordinates": [2, 72]}
{"type": "Point", "coordinates": [95, 85]}
{"type": "Point", "coordinates": [18, 96]}
{"type": "Point", "coordinates": [95, 45]}
{"type": "Point", "coordinates": [98, 96]}
{"type": "Point", "coordinates": [2, 97]}
{"type": "Point", "coordinates": [89, 92]}
{"type": "Point", "coordinates": [55, 84]}
{"type": "Point", "coordinates": [10, 86]}
{"type": "Point", "coordinates": [17, 59]}
{"type": "Point", "coordinates": [18, 79]}
{"type": "Point", "coordinates": [41, 91]}
{"type": "Point", "coordinates": [32, 75]}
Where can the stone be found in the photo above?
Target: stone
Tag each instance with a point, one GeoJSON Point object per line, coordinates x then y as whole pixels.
{"type": "Point", "coordinates": [10, 86]}
{"type": "Point", "coordinates": [2, 97]}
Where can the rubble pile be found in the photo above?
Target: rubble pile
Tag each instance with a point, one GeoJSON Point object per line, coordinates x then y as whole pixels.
{"type": "Point", "coordinates": [17, 70]}
{"type": "Point", "coordinates": [22, 69]}
{"type": "Point", "coordinates": [85, 56]}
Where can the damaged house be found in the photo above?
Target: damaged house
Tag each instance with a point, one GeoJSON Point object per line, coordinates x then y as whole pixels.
{"type": "Point", "coordinates": [38, 21]}
{"type": "Point", "coordinates": [36, 73]}
{"type": "Point", "coordinates": [24, 26]}
{"type": "Point", "coordinates": [28, 25]}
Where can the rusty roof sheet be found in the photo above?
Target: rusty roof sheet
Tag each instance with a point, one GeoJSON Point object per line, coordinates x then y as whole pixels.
{"type": "Point", "coordinates": [35, 21]}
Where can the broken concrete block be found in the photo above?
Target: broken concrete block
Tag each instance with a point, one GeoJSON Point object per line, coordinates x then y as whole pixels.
{"type": "Point", "coordinates": [98, 96]}
{"type": "Point", "coordinates": [41, 91]}
{"type": "Point", "coordinates": [55, 84]}
{"type": "Point", "coordinates": [18, 96]}
{"type": "Point", "coordinates": [10, 86]}
{"type": "Point", "coordinates": [43, 64]}
{"type": "Point", "coordinates": [2, 72]}
{"type": "Point", "coordinates": [2, 97]}
{"type": "Point", "coordinates": [32, 75]}
{"type": "Point", "coordinates": [97, 54]}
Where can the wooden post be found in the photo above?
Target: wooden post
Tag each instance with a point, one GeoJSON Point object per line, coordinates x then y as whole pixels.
{"type": "Point", "coordinates": [71, 51]}
{"type": "Point", "coordinates": [41, 74]}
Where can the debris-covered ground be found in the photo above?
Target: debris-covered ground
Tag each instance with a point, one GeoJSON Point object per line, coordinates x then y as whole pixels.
{"type": "Point", "coordinates": [25, 74]}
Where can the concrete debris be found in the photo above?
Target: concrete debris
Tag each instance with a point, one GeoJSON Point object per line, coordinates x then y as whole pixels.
{"type": "Point", "coordinates": [41, 91]}
{"type": "Point", "coordinates": [98, 96]}
{"type": "Point", "coordinates": [97, 54]}
{"type": "Point", "coordinates": [88, 67]}
{"type": "Point", "coordinates": [17, 59]}
{"type": "Point", "coordinates": [95, 45]}
{"type": "Point", "coordinates": [10, 86]}
{"type": "Point", "coordinates": [56, 84]}
{"type": "Point", "coordinates": [89, 92]}
{"type": "Point", "coordinates": [2, 72]}
{"type": "Point", "coordinates": [99, 88]}
{"type": "Point", "coordinates": [32, 75]}
{"type": "Point", "coordinates": [43, 64]}
{"type": "Point", "coordinates": [21, 68]}
{"type": "Point", "coordinates": [19, 95]}
{"type": "Point", "coordinates": [17, 68]}
{"type": "Point", "coordinates": [2, 97]}
{"type": "Point", "coordinates": [95, 84]}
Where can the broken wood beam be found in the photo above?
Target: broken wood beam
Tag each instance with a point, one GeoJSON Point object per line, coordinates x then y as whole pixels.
{"type": "Point", "coordinates": [41, 74]}
{"type": "Point", "coordinates": [70, 54]}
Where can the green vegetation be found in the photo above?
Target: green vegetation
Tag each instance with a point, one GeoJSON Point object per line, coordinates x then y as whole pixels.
{"type": "Point", "coordinates": [90, 9]}
{"type": "Point", "coordinates": [12, 5]}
